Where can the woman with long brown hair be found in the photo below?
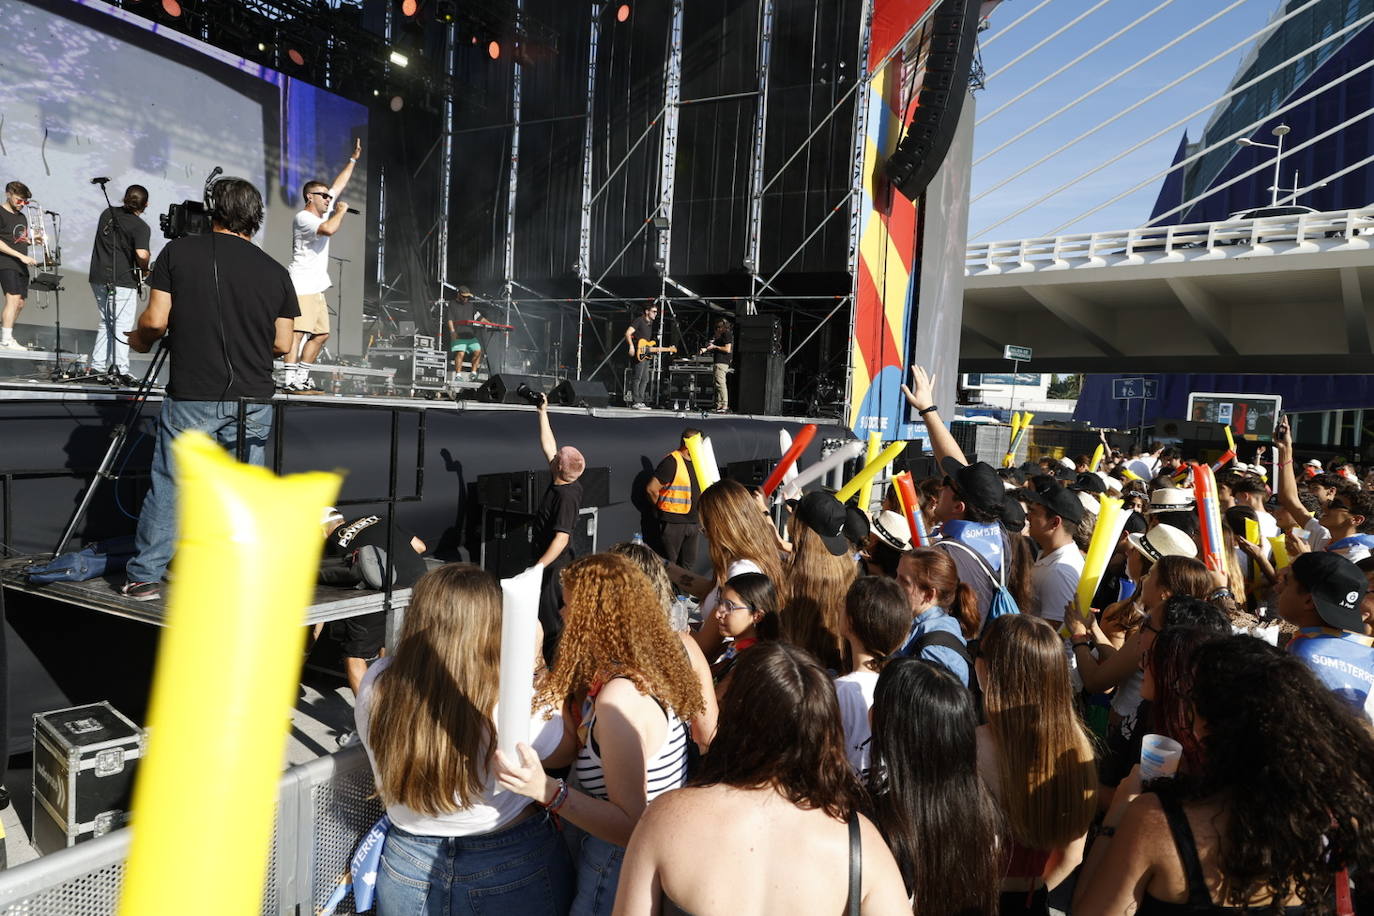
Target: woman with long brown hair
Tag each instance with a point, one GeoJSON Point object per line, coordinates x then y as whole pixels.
{"type": "Point", "coordinates": [740, 538]}
{"type": "Point", "coordinates": [426, 715]}
{"type": "Point", "coordinates": [819, 573]}
{"type": "Point", "coordinates": [1036, 757]}
{"type": "Point", "coordinates": [767, 824]}
{"type": "Point", "coordinates": [621, 663]}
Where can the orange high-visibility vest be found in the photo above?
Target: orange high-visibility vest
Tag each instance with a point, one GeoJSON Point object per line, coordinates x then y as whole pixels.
{"type": "Point", "coordinates": [676, 497]}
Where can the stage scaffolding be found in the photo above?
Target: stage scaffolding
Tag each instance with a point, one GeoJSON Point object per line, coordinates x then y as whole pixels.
{"type": "Point", "coordinates": [585, 315]}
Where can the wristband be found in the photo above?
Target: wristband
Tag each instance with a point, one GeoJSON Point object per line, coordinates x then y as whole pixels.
{"type": "Point", "coordinates": [931, 409]}
{"type": "Point", "coordinates": [559, 798]}
{"type": "Point", "coordinates": [1221, 593]}
{"type": "Point", "coordinates": [1083, 643]}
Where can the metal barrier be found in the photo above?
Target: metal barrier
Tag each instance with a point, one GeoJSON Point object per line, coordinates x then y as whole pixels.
{"type": "Point", "coordinates": [323, 809]}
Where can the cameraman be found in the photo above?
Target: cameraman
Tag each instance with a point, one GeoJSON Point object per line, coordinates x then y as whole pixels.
{"type": "Point", "coordinates": [232, 309]}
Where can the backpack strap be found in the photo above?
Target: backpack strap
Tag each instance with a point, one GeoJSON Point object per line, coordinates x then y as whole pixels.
{"type": "Point", "coordinates": [943, 640]}
{"type": "Point", "coordinates": [999, 577]}
{"type": "Point", "coordinates": [856, 867]}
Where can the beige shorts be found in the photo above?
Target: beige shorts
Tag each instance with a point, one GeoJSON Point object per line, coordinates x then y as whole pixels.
{"type": "Point", "coordinates": [314, 317]}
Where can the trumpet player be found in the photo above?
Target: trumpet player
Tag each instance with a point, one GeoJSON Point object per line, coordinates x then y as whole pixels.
{"type": "Point", "coordinates": [14, 260]}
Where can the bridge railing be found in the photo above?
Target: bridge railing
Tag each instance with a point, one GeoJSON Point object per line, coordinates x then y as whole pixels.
{"type": "Point", "coordinates": [1266, 235]}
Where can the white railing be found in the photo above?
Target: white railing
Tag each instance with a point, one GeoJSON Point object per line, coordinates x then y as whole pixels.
{"type": "Point", "coordinates": [1267, 235]}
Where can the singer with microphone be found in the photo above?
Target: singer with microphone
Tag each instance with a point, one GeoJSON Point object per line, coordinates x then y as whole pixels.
{"type": "Point", "coordinates": [311, 230]}
{"type": "Point", "coordinates": [119, 257]}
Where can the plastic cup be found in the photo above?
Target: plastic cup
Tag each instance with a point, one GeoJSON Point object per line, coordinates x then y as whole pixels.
{"type": "Point", "coordinates": [1159, 757]}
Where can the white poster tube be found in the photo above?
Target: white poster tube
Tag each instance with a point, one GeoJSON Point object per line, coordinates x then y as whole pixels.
{"type": "Point", "coordinates": [784, 443]}
{"type": "Point", "coordinates": [519, 626]}
{"type": "Point", "coordinates": [708, 455]}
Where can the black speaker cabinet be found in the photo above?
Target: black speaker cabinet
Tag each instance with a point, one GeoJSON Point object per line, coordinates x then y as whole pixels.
{"type": "Point", "coordinates": [507, 547]}
{"type": "Point", "coordinates": [760, 383]}
{"type": "Point", "coordinates": [501, 388]}
{"type": "Point", "coordinates": [954, 33]}
{"type": "Point", "coordinates": [758, 334]}
{"type": "Point", "coordinates": [521, 491]}
{"type": "Point", "coordinates": [751, 473]}
{"type": "Point", "coordinates": [575, 393]}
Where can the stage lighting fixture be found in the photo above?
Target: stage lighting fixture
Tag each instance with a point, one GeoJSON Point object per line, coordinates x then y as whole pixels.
{"type": "Point", "coordinates": [296, 57]}
{"type": "Point", "coordinates": [262, 46]}
{"type": "Point", "coordinates": [399, 59]}
{"type": "Point", "coordinates": [494, 49]}
{"type": "Point", "coordinates": [410, 7]}
{"type": "Point", "coordinates": [171, 8]}
{"type": "Point", "coordinates": [661, 223]}
{"type": "Point", "coordinates": [397, 103]}
{"type": "Point", "coordinates": [622, 12]}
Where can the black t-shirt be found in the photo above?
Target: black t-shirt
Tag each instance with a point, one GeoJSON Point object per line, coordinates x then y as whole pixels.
{"type": "Point", "coordinates": [464, 311]}
{"type": "Point", "coordinates": [643, 328]}
{"type": "Point", "coordinates": [557, 512]}
{"type": "Point", "coordinates": [370, 531]}
{"type": "Point", "coordinates": [665, 472]}
{"type": "Point", "coordinates": [724, 339]}
{"type": "Point", "coordinates": [254, 292]}
{"type": "Point", "coordinates": [117, 236]}
{"type": "Point", "coordinates": [14, 232]}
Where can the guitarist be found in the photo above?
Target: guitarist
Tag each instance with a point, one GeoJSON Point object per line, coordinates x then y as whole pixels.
{"type": "Point", "coordinates": [641, 329]}
{"type": "Point", "coordinates": [119, 259]}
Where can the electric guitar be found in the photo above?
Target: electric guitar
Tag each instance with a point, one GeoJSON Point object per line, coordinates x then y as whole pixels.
{"type": "Point", "coordinates": [646, 348]}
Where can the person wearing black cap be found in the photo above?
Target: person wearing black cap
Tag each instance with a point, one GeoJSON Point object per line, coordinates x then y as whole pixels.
{"type": "Point", "coordinates": [1321, 595]}
{"type": "Point", "coordinates": [819, 573]}
{"type": "Point", "coordinates": [1053, 515]}
{"type": "Point", "coordinates": [971, 510]}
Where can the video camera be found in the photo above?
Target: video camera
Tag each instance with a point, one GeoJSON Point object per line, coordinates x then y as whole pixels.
{"type": "Point", "coordinates": [190, 217]}
{"type": "Point", "coordinates": [534, 397]}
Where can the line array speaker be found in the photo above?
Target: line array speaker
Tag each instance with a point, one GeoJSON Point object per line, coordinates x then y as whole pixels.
{"type": "Point", "coordinates": [954, 33]}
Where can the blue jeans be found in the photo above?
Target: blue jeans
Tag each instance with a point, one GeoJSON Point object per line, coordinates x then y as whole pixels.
{"type": "Point", "coordinates": [157, 520]}
{"type": "Point", "coordinates": [522, 869]}
{"type": "Point", "coordinates": [117, 305]}
{"type": "Point", "coordinates": [598, 873]}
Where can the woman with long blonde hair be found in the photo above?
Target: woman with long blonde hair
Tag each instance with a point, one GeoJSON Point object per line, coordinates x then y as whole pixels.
{"type": "Point", "coordinates": [426, 715]}
{"type": "Point", "coordinates": [1036, 757]}
{"type": "Point", "coordinates": [621, 663]}
{"type": "Point", "coordinates": [819, 573]}
{"type": "Point", "coordinates": [740, 538]}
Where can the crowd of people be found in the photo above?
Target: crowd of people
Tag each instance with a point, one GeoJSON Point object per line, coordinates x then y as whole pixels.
{"type": "Point", "coordinates": [850, 722]}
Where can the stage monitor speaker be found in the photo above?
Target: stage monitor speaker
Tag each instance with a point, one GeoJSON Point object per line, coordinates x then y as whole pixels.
{"type": "Point", "coordinates": [507, 540]}
{"type": "Point", "coordinates": [751, 473]}
{"type": "Point", "coordinates": [574, 393]}
{"type": "Point", "coordinates": [502, 387]}
{"type": "Point", "coordinates": [760, 384]}
{"type": "Point", "coordinates": [758, 334]}
{"type": "Point", "coordinates": [522, 491]}
{"type": "Point", "coordinates": [954, 35]}
{"type": "Point", "coordinates": [912, 459]}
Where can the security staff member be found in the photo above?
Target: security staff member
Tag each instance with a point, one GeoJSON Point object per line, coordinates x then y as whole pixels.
{"type": "Point", "coordinates": [673, 490]}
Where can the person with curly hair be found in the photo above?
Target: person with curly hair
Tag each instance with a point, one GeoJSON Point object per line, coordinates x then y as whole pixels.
{"type": "Point", "coordinates": [740, 538]}
{"type": "Point", "coordinates": [1036, 757]}
{"type": "Point", "coordinates": [427, 718]}
{"type": "Point", "coordinates": [767, 823]}
{"type": "Point", "coordinates": [624, 667]}
{"type": "Point", "coordinates": [1282, 801]}
{"type": "Point", "coordinates": [653, 566]}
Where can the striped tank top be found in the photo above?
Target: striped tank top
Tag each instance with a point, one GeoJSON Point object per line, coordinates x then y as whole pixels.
{"type": "Point", "coordinates": [666, 770]}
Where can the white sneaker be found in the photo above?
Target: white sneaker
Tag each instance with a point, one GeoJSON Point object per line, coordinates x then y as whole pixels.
{"type": "Point", "coordinates": [13, 344]}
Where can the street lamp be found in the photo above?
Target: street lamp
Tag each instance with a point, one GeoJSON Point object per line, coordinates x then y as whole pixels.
{"type": "Point", "coordinates": [1281, 131]}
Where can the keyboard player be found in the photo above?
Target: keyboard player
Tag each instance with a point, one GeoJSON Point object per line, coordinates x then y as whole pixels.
{"type": "Point", "coordinates": [464, 342]}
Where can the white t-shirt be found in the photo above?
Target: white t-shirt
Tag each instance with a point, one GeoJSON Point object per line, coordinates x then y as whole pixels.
{"type": "Point", "coordinates": [1144, 468]}
{"type": "Point", "coordinates": [855, 693]}
{"type": "Point", "coordinates": [493, 811]}
{"type": "Point", "coordinates": [309, 267]}
{"type": "Point", "coordinates": [1317, 535]}
{"type": "Point", "coordinates": [1055, 577]}
{"type": "Point", "coordinates": [708, 604]}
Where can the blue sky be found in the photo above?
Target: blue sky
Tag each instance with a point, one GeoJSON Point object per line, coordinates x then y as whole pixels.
{"type": "Point", "coordinates": [1140, 41]}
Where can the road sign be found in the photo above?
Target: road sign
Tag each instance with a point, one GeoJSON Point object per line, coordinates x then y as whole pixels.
{"type": "Point", "coordinates": [1016, 354]}
{"type": "Point", "coordinates": [1151, 389]}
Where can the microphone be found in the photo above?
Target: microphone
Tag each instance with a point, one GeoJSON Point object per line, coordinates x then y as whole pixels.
{"type": "Point", "coordinates": [101, 180]}
{"type": "Point", "coordinates": [218, 170]}
{"type": "Point", "coordinates": [354, 212]}
{"type": "Point", "coordinates": [51, 213]}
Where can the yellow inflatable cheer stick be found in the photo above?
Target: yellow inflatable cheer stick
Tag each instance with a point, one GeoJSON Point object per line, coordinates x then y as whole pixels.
{"type": "Point", "coordinates": [699, 462]}
{"type": "Point", "coordinates": [1111, 520]}
{"type": "Point", "coordinates": [1009, 457]}
{"type": "Point", "coordinates": [246, 561]}
{"type": "Point", "coordinates": [871, 470]}
{"type": "Point", "coordinates": [1280, 547]}
{"type": "Point", "coordinates": [875, 445]}
{"type": "Point", "coordinates": [1097, 458]}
